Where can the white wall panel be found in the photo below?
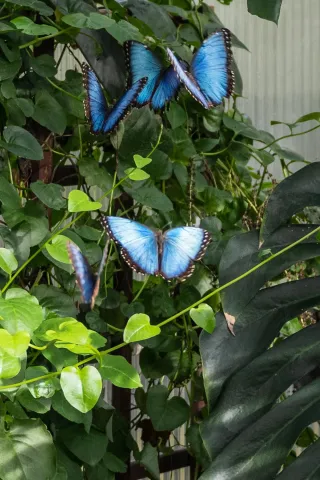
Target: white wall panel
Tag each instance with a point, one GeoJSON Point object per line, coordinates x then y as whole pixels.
{"type": "Point", "coordinates": [281, 73]}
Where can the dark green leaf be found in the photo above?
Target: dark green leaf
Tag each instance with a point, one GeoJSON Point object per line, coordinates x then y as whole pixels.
{"type": "Point", "coordinates": [45, 105]}
{"type": "Point", "coordinates": [27, 451]}
{"type": "Point", "coordinates": [63, 407]}
{"type": "Point", "coordinates": [36, 5]}
{"type": "Point", "coordinates": [96, 175]}
{"type": "Point", "coordinates": [50, 194]}
{"type": "Point", "coordinates": [21, 143]}
{"type": "Point", "coordinates": [306, 467]}
{"type": "Point", "coordinates": [44, 65]}
{"type": "Point", "coordinates": [88, 447]}
{"type": "Point", "coordinates": [269, 10]}
{"type": "Point", "coordinates": [176, 115]}
{"type": "Point", "coordinates": [114, 463]}
{"type": "Point", "coordinates": [166, 414]}
{"type": "Point", "coordinates": [118, 371]}
{"type": "Point", "coordinates": [54, 300]}
{"type": "Point", "coordinates": [9, 69]}
{"type": "Point", "coordinates": [154, 16]}
{"type": "Point", "coordinates": [150, 196]}
{"type": "Point", "coordinates": [149, 459]}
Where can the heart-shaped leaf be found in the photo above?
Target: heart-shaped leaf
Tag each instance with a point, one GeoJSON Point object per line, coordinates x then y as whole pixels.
{"type": "Point", "coordinates": [14, 344]}
{"type": "Point", "coordinates": [136, 174]}
{"type": "Point", "coordinates": [138, 328]}
{"type": "Point", "coordinates": [82, 388]}
{"type": "Point", "coordinates": [58, 249]}
{"type": "Point", "coordinates": [20, 312]}
{"type": "Point", "coordinates": [166, 414]}
{"type": "Point", "coordinates": [63, 329]}
{"type": "Point", "coordinates": [8, 261]}
{"type": "Point", "coordinates": [204, 317]}
{"type": "Point", "coordinates": [20, 142]}
{"type": "Point", "coordinates": [141, 161]}
{"type": "Point", "coordinates": [117, 370]}
{"type": "Point", "coordinates": [79, 202]}
{"type": "Point", "coordinates": [50, 194]}
{"type": "Point", "coordinates": [45, 387]}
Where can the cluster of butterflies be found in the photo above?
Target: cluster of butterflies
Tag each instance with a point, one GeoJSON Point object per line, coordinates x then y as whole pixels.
{"type": "Point", "coordinates": [170, 254]}
{"type": "Point", "coordinates": [209, 79]}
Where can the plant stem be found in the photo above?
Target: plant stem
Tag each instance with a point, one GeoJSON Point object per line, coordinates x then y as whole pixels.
{"type": "Point", "coordinates": [289, 136]}
{"type": "Point", "coordinates": [141, 290]}
{"type": "Point", "coordinates": [47, 37]}
{"type": "Point", "coordinates": [62, 90]}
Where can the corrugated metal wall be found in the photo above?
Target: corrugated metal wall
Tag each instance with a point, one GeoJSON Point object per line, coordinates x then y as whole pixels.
{"type": "Point", "coordinates": [282, 70]}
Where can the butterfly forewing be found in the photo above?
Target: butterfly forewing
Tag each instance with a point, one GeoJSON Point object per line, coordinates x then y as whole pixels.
{"type": "Point", "coordinates": [88, 282]}
{"type": "Point", "coordinates": [211, 67]}
{"type": "Point", "coordinates": [180, 248]}
{"type": "Point", "coordinates": [167, 89]}
{"type": "Point", "coordinates": [138, 242]}
{"type": "Point", "coordinates": [103, 119]}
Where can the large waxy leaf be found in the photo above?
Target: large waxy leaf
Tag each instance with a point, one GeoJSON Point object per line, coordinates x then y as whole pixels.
{"type": "Point", "coordinates": [258, 385]}
{"type": "Point", "coordinates": [306, 467]}
{"type": "Point", "coordinates": [258, 324]}
{"type": "Point", "coordinates": [292, 195]}
{"type": "Point", "coordinates": [242, 253]}
{"type": "Point", "coordinates": [259, 451]}
{"type": "Point", "coordinates": [27, 451]}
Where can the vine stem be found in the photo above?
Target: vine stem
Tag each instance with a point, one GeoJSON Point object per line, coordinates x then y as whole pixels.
{"type": "Point", "coordinates": [47, 37]}
{"type": "Point", "coordinates": [173, 317]}
{"type": "Point", "coordinates": [289, 136]}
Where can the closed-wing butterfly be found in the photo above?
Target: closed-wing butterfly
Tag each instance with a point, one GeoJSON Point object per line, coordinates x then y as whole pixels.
{"type": "Point", "coordinates": [104, 119]}
{"type": "Point", "coordinates": [88, 281]}
{"type": "Point", "coordinates": [210, 78]}
{"type": "Point", "coordinates": [162, 84]}
{"type": "Point", "coordinates": [170, 254]}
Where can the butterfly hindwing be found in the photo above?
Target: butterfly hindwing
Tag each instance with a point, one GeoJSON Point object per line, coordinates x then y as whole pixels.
{"type": "Point", "coordinates": [102, 118]}
{"type": "Point", "coordinates": [211, 67]}
{"type": "Point", "coordinates": [166, 89]}
{"type": "Point", "coordinates": [138, 242]}
{"type": "Point", "coordinates": [88, 282]}
{"type": "Point", "coordinates": [142, 62]}
{"type": "Point", "coordinates": [187, 80]}
{"type": "Point", "coordinates": [180, 248]}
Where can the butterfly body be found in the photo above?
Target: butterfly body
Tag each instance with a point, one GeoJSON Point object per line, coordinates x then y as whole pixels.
{"type": "Point", "coordinates": [170, 254]}
{"type": "Point", "coordinates": [162, 83]}
{"type": "Point", "coordinates": [210, 78]}
{"type": "Point", "coordinates": [104, 119]}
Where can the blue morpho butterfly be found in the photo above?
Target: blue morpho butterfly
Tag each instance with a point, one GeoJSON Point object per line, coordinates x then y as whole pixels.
{"type": "Point", "coordinates": [210, 78]}
{"type": "Point", "coordinates": [170, 254]}
{"type": "Point", "coordinates": [104, 119]}
{"type": "Point", "coordinates": [162, 84]}
{"type": "Point", "coordinates": [88, 281]}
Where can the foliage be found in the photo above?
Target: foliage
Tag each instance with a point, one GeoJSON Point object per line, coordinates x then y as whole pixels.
{"type": "Point", "coordinates": [55, 355]}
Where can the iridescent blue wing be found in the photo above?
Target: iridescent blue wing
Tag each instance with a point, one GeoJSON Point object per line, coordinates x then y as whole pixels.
{"type": "Point", "coordinates": [211, 67]}
{"type": "Point", "coordinates": [142, 62]}
{"type": "Point", "coordinates": [138, 243]}
{"type": "Point", "coordinates": [102, 118]}
{"type": "Point", "coordinates": [187, 80]}
{"type": "Point", "coordinates": [88, 282]}
{"type": "Point", "coordinates": [166, 89]}
{"type": "Point", "coordinates": [180, 248]}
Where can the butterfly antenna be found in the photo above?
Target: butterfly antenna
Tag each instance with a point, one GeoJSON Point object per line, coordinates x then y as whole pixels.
{"type": "Point", "coordinates": [190, 189]}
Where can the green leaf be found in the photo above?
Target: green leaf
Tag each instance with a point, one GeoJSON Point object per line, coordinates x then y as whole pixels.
{"type": "Point", "coordinates": [9, 69]}
{"type": "Point", "coordinates": [58, 249]}
{"type": "Point", "coordinates": [28, 27]}
{"type": "Point", "coordinates": [44, 65]}
{"type": "Point", "coordinates": [21, 143]}
{"type": "Point", "coordinates": [115, 464]}
{"type": "Point", "coordinates": [8, 89]}
{"type": "Point", "coordinates": [49, 193]}
{"type": "Point", "coordinates": [269, 10]}
{"type": "Point", "coordinates": [42, 388]}
{"type": "Point", "coordinates": [82, 388]}
{"type": "Point", "coordinates": [36, 5]}
{"type": "Point", "coordinates": [123, 31]}
{"type": "Point", "coordinates": [96, 175]}
{"type": "Point", "coordinates": [10, 365]}
{"type": "Point", "coordinates": [291, 196]}
{"type": "Point", "coordinates": [8, 261]}
{"type": "Point", "coordinates": [166, 414]}
{"type": "Point", "coordinates": [241, 128]}
{"type": "Point", "coordinates": [64, 330]}
{"type": "Point", "coordinates": [305, 467]}
{"type": "Point", "coordinates": [78, 201]}
{"type": "Point", "coordinates": [267, 441]}
{"type": "Point", "coordinates": [9, 195]}
{"type": "Point", "coordinates": [258, 385]}
{"type": "Point", "coordinates": [155, 17]}
{"type": "Point", "coordinates": [38, 405]}
{"type": "Point", "coordinates": [53, 299]}
{"type": "Point", "coordinates": [136, 174]}
{"type": "Point", "coordinates": [150, 196]}
{"type": "Point", "coordinates": [138, 328]}
{"type": "Point", "coordinates": [118, 371]}
{"type": "Point", "coordinates": [176, 115]}
{"type": "Point", "coordinates": [308, 117]}
{"type": "Point", "coordinates": [93, 21]}
{"type": "Point", "coordinates": [204, 317]}
{"type": "Point", "coordinates": [45, 104]}
{"type": "Point", "coordinates": [63, 407]}
{"type": "Point", "coordinates": [27, 447]}
{"type": "Point", "coordinates": [140, 161]}
{"type": "Point", "coordinates": [20, 313]}
{"type": "Point", "coordinates": [149, 459]}
{"type": "Point", "coordinates": [87, 447]}
{"type": "Point", "coordinates": [15, 345]}
{"type": "Point", "coordinates": [265, 157]}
